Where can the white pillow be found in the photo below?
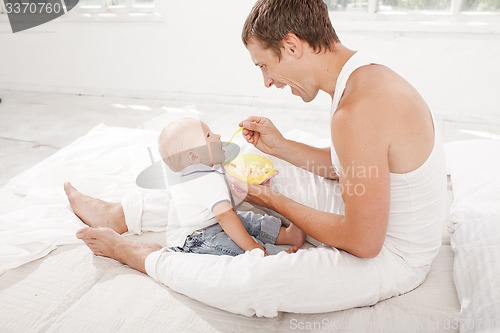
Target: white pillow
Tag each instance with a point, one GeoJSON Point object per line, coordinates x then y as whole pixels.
{"type": "Point", "coordinates": [474, 166]}
{"type": "Point", "coordinates": [477, 274]}
{"type": "Point", "coordinates": [475, 174]}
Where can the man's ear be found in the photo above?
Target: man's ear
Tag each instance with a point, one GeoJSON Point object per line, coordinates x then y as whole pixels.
{"type": "Point", "coordinates": [293, 45]}
{"type": "Point", "coordinates": [192, 157]}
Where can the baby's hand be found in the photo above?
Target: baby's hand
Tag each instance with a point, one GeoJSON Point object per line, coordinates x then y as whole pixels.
{"type": "Point", "coordinates": [293, 249]}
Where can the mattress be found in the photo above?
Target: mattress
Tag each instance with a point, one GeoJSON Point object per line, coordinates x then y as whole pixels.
{"type": "Point", "coordinates": [70, 289]}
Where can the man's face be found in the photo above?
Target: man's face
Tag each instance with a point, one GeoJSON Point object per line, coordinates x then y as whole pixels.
{"type": "Point", "coordinates": [283, 72]}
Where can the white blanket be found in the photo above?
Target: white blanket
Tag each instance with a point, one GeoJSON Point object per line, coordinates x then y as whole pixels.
{"type": "Point", "coordinates": [103, 163]}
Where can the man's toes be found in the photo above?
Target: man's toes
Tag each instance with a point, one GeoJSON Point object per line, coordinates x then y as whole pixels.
{"type": "Point", "coordinates": [86, 233]}
{"type": "Point", "coordinates": [68, 188]}
{"type": "Point", "coordinates": [80, 234]}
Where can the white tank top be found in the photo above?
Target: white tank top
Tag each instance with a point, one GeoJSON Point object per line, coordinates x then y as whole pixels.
{"type": "Point", "coordinates": [418, 198]}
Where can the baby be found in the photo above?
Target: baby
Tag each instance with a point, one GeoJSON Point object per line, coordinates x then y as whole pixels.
{"type": "Point", "coordinates": [206, 221]}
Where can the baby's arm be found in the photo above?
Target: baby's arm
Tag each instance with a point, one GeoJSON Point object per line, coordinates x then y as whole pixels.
{"type": "Point", "coordinates": [232, 225]}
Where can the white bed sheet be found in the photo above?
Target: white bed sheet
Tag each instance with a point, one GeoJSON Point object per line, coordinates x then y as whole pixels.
{"type": "Point", "coordinates": [72, 290]}
{"type": "Point", "coordinates": [103, 164]}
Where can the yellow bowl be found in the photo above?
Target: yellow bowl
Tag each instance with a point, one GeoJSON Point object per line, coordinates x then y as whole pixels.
{"type": "Point", "coordinates": [252, 169]}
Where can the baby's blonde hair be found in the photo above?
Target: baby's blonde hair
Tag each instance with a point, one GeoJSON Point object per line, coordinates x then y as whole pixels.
{"type": "Point", "coordinates": [177, 138]}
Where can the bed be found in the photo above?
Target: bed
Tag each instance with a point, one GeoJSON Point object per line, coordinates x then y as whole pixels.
{"type": "Point", "coordinates": [53, 283]}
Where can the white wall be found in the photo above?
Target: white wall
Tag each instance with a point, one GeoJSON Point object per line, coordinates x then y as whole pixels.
{"type": "Point", "coordinates": [457, 73]}
{"type": "Point", "coordinates": [195, 51]}
{"type": "Point", "coordinates": [196, 43]}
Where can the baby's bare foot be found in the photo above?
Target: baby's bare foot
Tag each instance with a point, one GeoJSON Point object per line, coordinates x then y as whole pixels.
{"type": "Point", "coordinates": [94, 212]}
{"type": "Point", "coordinates": [295, 235]}
{"type": "Point", "coordinates": [292, 249]}
{"type": "Point", "coordinates": [108, 243]}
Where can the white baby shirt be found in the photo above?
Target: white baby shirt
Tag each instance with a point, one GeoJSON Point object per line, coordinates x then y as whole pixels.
{"type": "Point", "coordinates": [195, 192]}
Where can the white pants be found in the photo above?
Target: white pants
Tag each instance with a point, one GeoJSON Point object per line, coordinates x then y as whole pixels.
{"type": "Point", "coordinates": [313, 280]}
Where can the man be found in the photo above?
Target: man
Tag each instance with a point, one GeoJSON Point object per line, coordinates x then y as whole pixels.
{"type": "Point", "coordinates": [384, 152]}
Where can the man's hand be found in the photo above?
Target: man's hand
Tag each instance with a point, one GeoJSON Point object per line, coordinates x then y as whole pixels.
{"type": "Point", "coordinates": [262, 133]}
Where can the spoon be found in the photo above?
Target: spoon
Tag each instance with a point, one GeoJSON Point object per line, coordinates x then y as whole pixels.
{"type": "Point", "coordinates": [235, 133]}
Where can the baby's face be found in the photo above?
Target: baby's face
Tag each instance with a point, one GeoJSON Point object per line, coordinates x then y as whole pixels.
{"type": "Point", "coordinates": [214, 144]}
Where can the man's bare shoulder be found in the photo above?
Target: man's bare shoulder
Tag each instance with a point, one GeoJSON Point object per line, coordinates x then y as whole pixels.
{"type": "Point", "coordinates": [367, 108]}
{"type": "Point", "coordinates": [368, 98]}
{"type": "Point", "coordinates": [388, 113]}
{"type": "Point", "coordinates": [376, 94]}
{"type": "Point", "coordinates": [375, 83]}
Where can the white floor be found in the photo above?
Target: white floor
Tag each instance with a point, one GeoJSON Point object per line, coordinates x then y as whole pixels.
{"type": "Point", "coordinates": [35, 125]}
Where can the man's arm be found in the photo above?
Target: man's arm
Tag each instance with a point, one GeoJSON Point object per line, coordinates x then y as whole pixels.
{"type": "Point", "coordinates": [232, 225]}
{"type": "Point", "coordinates": [361, 141]}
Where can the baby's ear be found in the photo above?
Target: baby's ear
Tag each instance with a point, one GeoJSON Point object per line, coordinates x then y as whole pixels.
{"type": "Point", "coordinates": [192, 157]}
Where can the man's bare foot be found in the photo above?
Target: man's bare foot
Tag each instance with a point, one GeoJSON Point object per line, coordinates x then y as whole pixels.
{"type": "Point", "coordinates": [108, 243]}
{"type": "Point", "coordinates": [94, 212]}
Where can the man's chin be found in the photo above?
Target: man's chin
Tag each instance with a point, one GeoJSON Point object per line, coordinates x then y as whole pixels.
{"type": "Point", "coordinates": [307, 99]}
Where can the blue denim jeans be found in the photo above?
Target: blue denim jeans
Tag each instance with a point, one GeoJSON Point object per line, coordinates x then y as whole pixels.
{"type": "Point", "coordinates": [213, 240]}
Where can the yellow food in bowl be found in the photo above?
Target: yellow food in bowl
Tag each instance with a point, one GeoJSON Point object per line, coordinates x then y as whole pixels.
{"type": "Point", "coordinates": [252, 169]}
